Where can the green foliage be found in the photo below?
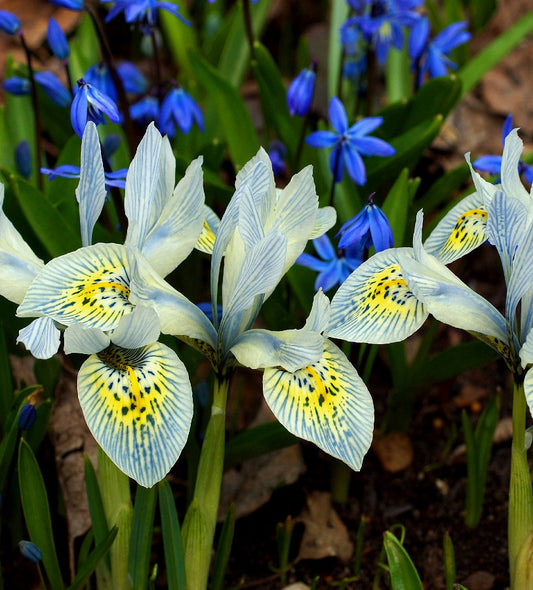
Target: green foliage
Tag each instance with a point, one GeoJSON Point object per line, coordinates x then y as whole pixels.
{"type": "Point", "coordinates": [141, 536]}
{"type": "Point", "coordinates": [403, 574]}
{"type": "Point", "coordinates": [172, 544]}
{"type": "Point", "coordinates": [223, 550]}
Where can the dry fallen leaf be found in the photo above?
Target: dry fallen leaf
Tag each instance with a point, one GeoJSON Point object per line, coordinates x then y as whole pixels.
{"type": "Point", "coordinates": [394, 451]}
{"type": "Point", "coordinates": [325, 534]}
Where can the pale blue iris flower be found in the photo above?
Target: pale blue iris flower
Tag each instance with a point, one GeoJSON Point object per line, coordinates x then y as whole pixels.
{"type": "Point", "coordinates": [387, 298]}
{"type": "Point", "coordinates": [309, 384]}
{"type": "Point", "coordinates": [134, 391]}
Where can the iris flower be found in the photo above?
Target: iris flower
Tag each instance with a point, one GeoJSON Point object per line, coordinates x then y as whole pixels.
{"type": "Point", "coordinates": [350, 143]}
{"type": "Point", "coordinates": [308, 382]}
{"type": "Point", "coordinates": [134, 391]}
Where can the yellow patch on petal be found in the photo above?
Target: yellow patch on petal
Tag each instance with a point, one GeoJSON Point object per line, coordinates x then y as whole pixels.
{"type": "Point", "coordinates": [326, 403]}
{"type": "Point", "coordinates": [206, 241]}
{"type": "Point", "coordinates": [467, 234]}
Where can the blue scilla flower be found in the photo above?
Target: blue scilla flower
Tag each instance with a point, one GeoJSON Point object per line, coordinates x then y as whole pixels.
{"type": "Point", "coordinates": [493, 164]}
{"type": "Point", "coordinates": [48, 81]}
{"type": "Point", "coordinates": [70, 4]}
{"type": "Point", "coordinates": [433, 56]}
{"type": "Point", "coordinates": [349, 143]}
{"type": "Point", "coordinates": [142, 11]}
{"type": "Point", "coordinates": [30, 551]}
{"type": "Point", "coordinates": [300, 92]}
{"type": "Point", "coordinates": [179, 109]}
{"type": "Point", "coordinates": [132, 79]}
{"type": "Point", "coordinates": [27, 416]}
{"type": "Point", "coordinates": [9, 23]}
{"type": "Point", "coordinates": [277, 152]}
{"type": "Point", "coordinates": [117, 178]}
{"type": "Point", "coordinates": [333, 266]}
{"type": "Point", "coordinates": [370, 227]}
{"type": "Point", "coordinates": [90, 104]}
{"type": "Point", "coordinates": [23, 158]}
{"type": "Point", "coordinates": [145, 111]}
{"type": "Point", "coordinates": [57, 40]}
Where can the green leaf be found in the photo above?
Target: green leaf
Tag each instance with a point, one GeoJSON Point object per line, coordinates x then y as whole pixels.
{"type": "Point", "coordinates": [449, 561]}
{"type": "Point", "coordinates": [37, 512]}
{"type": "Point", "coordinates": [6, 383]}
{"type": "Point", "coordinates": [257, 441]}
{"type": "Point", "coordinates": [47, 374]}
{"type": "Point", "coordinates": [481, 12]}
{"type": "Point", "coordinates": [96, 506]}
{"type": "Point", "coordinates": [339, 13]}
{"type": "Point", "coordinates": [236, 51]}
{"type": "Point", "coordinates": [52, 229]}
{"type": "Point", "coordinates": [180, 38]}
{"type": "Point", "coordinates": [443, 187]}
{"type": "Point", "coordinates": [232, 114]}
{"type": "Point", "coordinates": [90, 564]}
{"type": "Point", "coordinates": [36, 433]}
{"type": "Point", "coordinates": [403, 574]}
{"type": "Point", "coordinates": [172, 544]}
{"type": "Point", "coordinates": [396, 206]}
{"type": "Point", "coordinates": [223, 550]}
{"type": "Point", "coordinates": [141, 536]}
{"type": "Point", "coordinates": [476, 67]}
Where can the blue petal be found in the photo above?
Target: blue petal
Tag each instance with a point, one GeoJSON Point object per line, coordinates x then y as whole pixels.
{"type": "Point", "coordinates": [324, 248]}
{"type": "Point", "coordinates": [322, 139]}
{"type": "Point", "coordinates": [354, 164]}
{"type": "Point", "coordinates": [337, 116]}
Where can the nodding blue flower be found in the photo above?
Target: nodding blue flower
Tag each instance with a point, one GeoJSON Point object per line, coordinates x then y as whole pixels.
{"type": "Point", "coordinates": [277, 152]}
{"type": "Point", "coordinates": [349, 143]}
{"type": "Point", "coordinates": [333, 266]}
{"type": "Point", "coordinates": [300, 92]}
{"type": "Point", "coordinates": [132, 79]}
{"type": "Point", "coordinates": [179, 108]}
{"type": "Point", "coordinates": [370, 227]}
{"type": "Point", "coordinates": [23, 159]}
{"type": "Point", "coordinates": [493, 164]}
{"type": "Point", "coordinates": [9, 23]}
{"type": "Point", "coordinates": [142, 11]}
{"type": "Point", "coordinates": [48, 81]}
{"type": "Point", "coordinates": [90, 104]}
{"type": "Point", "coordinates": [57, 40]}
{"type": "Point", "coordinates": [117, 178]}
{"type": "Point", "coordinates": [354, 47]}
{"type": "Point", "coordinates": [382, 22]}
{"type": "Point", "coordinates": [30, 551]}
{"type": "Point", "coordinates": [27, 416]}
{"type": "Point", "coordinates": [70, 4]}
{"type": "Point", "coordinates": [432, 56]}
{"type": "Point", "coordinates": [145, 111]}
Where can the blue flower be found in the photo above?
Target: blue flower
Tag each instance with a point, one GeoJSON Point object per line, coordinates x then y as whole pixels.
{"type": "Point", "coordinates": [48, 81]}
{"type": "Point", "coordinates": [370, 227]}
{"type": "Point", "coordinates": [27, 416]}
{"type": "Point", "coordinates": [117, 178]}
{"type": "Point", "coordinates": [57, 39]}
{"type": "Point", "coordinates": [493, 164]}
{"type": "Point", "coordinates": [132, 79]}
{"type": "Point", "coordinates": [145, 110]}
{"type": "Point", "coordinates": [300, 92]}
{"type": "Point", "coordinates": [277, 153]}
{"type": "Point", "coordinates": [179, 108]}
{"type": "Point", "coordinates": [333, 266]}
{"type": "Point", "coordinates": [9, 23]}
{"type": "Point", "coordinates": [70, 4]}
{"type": "Point", "coordinates": [350, 143]}
{"type": "Point", "coordinates": [23, 158]}
{"type": "Point", "coordinates": [30, 551]}
{"type": "Point", "coordinates": [90, 104]}
{"type": "Point", "coordinates": [432, 56]}
{"type": "Point", "coordinates": [142, 11]}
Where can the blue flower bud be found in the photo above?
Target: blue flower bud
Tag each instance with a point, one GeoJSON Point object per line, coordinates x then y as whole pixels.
{"type": "Point", "coordinates": [57, 39]}
{"type": "Point", "coordinates": [300, 93]}
{"type": "Point", "coordinates": [53, 88]}
{"type": "Point", "coordinates": [132, 78]}
{"type": "Point", "coordinates": [23, 159]}
{"type": "Point", "coordinates": [17, 85]}
{"type": "Point", "coordinates": [70, 4]}
{"type": "Point", "coordinates": [30, 551]}
{"type": "Point", "coordinates": [27, 416]}
{"type": "Point", "coordinates": [145, 110]}
{"type": "Point", "coordinates": [9, 23]}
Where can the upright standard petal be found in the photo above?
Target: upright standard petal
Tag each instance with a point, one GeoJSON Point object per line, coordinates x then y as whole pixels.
{"type": "Point", "coordinates": [138, 406]}
{"type": "Point", "coordinates": [91, 191]}
{"type": "Point", "coordinates": [375, 304]}
{"type": "Point", "coordinates": [18, 264]}
{"type": "Point", "coordinates": [89, 286]}
{"type": "Point", "coordinates": [326, 403]}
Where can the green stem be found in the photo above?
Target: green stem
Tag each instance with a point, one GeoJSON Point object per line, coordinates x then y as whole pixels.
{"type": "Point", "coordinates": [201, 518]}
{"type": "Point", "coordinates": [520, 499]}
{"type": "Point", "coordinates": [116, 497]}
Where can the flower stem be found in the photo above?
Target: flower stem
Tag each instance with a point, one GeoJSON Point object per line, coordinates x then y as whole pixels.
{"type": "Point", "coordinates": [200, 521]}
{"type": "Point", "coordinates": [116, 497]}
{"type": "Point", "coordinates": [248, 25]}
{"type": "Point", "coordinates": [520, 499]}
{"type": "Point", "coordinates": [334, 171]}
